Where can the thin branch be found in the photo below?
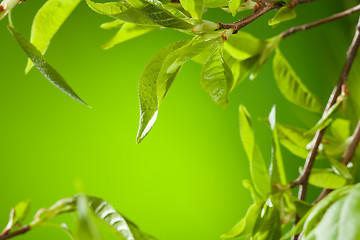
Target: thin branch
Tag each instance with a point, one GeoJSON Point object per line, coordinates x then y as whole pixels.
{"type": "Point", "coordinates": [22, 230]}
{"type": "Point", "coordinates": [320, 22]}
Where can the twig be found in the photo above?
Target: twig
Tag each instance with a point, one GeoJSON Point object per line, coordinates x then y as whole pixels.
{"type": "Point", "coordinates": [302, 180]}
{"type": "Point", "coordinates": [349, 153]}
{"type": "Point", "coordinates": [22, 230]}
{"type": "Point", "coordinates": [322, 21]}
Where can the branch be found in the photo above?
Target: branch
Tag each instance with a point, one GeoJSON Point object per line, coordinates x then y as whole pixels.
{"type": "Point", "coordinates": [320, 22]}
{"type": "Point", "coordinates": [22, 230]}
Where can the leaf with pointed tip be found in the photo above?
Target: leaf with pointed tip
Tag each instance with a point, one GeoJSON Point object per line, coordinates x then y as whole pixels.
{"type": "Point", "coordinates": [47, 22]}
{"type": "Point", "coordinates": [140, 12]}
{"type": "Point", "coordinates": [282, 15]}
{"type": "Point", "coordinates": [40, 63]}
{"type": "Point", "coordinates": [125, 229]}
{"type": "Point", "coordinates": [326, 178]}
{"type": "Point", "coordinates": [291, 86]}
{"type": "Point", "coordinates": [216, 78]}
{"type": "Point", "coordinates": [194, 7]}
{"type": "Point", "coordinates": [17, 215]}
{"type": "Point", "coordinates": [258, 169]}
{"type": "Point", "coordinates": [234, 6]}
{"type": "Point", "coordinates": [244, 228]}
{"type": "Point", "coordinates": [339, 168]}
{"type": "Point", "coordinates": [154, 84]}
{"type": "Point", "coordinates": [277, 170]}
{"type": "Point", "coordinates": [126, 32]}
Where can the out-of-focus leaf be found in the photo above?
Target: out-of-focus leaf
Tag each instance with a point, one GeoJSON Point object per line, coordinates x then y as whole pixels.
{"type": "Point", "coordinates": [326, 178]}
{"type": "Point", "coordinates": [282, 15]}
{"type": "Point", "coordinates": [124, 228]}
{"type": "Point", "coordinates": [47, 22]}
{"type": "Point", "coordinates": [340, 128]}
{"type": "Point", "coordinates": [46, 69]}
{"type": "Point", "coordinates": [18, 214]}
{"type": "Point", "coordinates": [302, 207]}
{"type": "Point", "coordinates": [243, 46]}
{"type": "Point", "coordinates": [277, 171]}
{"type": "Point", "coordinates": [244, 228]}
{"type": "Point", "coordinates": [258, 170]}
{"type": "Point", "coordinates": [291, 86]}
{"type": "Point", "coordinates": [216, 78]}
{"type": "Point", "coordinates": [234, 6]}
{"type": "Point", "coordinates": [194, 7]}
{"type": "Point", "coordinates": [154, 84]}
{"type": "Point", "coordinates": [140, 12]}
{"type": "Point", "coordinates": [341, 220]}
{"type": "Point", "coordinates": [113, 24]}
{"type": "Point", "coordinates": [339, 168]}
{"type": "Point", "coordinates": [215, 3]}
{"type": "Point", "coordinates": [126, 32]}
{"type": "Point", "coordinates": [86, 228]}
{"type": "Point", "coordinates": [249, 186]}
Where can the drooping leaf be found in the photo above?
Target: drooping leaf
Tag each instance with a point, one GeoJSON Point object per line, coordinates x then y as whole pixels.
{"type": "Point", "coordinates": [341, 220]}
{"type": "Point", "coordinates": [277, 170]}
{"type": "Point", "coordinates": [258, 169]}
{"type": "Point", "coordinates": [140, 12]}
{"type": "Point", "coordinates": [126, 32]}
{"type": "Point", "coordinates": [46, 69]}
{"type": "Point", "coordinates": [47, 22]}
{"type": "Point", "coordinates": [216, 78]}
{"type": "Point", "coordinates": [17, 215]}
{"type": "Point", "coordinates": [194, 7]}
{"type": "Point", "coordinates": [291, 86]}
{"type": "Point", "coordinates": [282, 15]}
{"type": "Point", "coordinates": [326, 178]}
{"type": "Point", "coordinates": [242, 46]}
{"type": "Point", "coordinates": [340, 128]}
{"type": "Point", "coordinates": [154, 84]}
{"type": "Point", "coordinates": [234, 6]}
{"type": "Point", "coordinates": [339, 168]}
{"type": "Point", "coordinates": [124, 228]}
{"type": "Point", "coordinates": [326, 119]}
{"type": "Point", "coordinates": [244, 228]}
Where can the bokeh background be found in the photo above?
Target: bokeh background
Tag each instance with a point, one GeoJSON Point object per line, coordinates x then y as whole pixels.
{"type": "Point", "coordinates": [183, 182]}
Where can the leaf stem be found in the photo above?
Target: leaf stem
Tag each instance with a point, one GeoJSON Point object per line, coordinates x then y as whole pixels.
{"type": "Point", "coordinates": [22, 230]}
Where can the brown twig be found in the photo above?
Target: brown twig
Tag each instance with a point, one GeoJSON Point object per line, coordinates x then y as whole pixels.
{"type": "Point", "coordinates": [22, 230]}
{"type": "Point", "coordinates": [302, 180]}
{"type": "Point", "coordinates": [322, 21]}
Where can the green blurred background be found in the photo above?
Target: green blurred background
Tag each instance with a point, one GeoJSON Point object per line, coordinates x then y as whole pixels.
{"type": "Point", "coordinates": [183, 182]}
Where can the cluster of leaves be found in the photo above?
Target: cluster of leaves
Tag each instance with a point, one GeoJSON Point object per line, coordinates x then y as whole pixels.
{"type": "Point", "coordinates": [87, 208]}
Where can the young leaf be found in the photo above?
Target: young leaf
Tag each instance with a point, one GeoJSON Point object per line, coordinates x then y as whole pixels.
{"type": "Point", "coordinates": [17, 215]}
{"type": "Point", "coordinates": [154, 84]}
{"type": "Point", "coordinates": [47, 22]}
{"type": "Point", "coordinates": [40, 63]}
{"type": "Point", "coordinates": [126, 32]}
{"type": "Point", "coordinates": [194, 7]}
{"type": "Point", "coordinates": [86, 226]}
{"type": "Point", "coordinates": [326, 178]}
{"type": "Point", "coordinates": [125, 229]}
{"type": "Point", "coordinates": [277, 170]}
{"type": "Point", "coordinates": [234, 6]}
{"type": "Point", "coordinates": [340, 128]}
{"type": "Point", "coordinates": [339, 168]}
{"type": "Point", "coordinates": [249, 186]}
{"type": "Point", "coordinates": [140, 12]}
{"type": "Point", "coordinates": [282, 15]}
{"type": "Point", "coordinates": [291, 86]}
{"type": "Point", "coordinates": [244, 228]}
{"type": "Point", "coordinates": [258, 170]}
{"type": "Point", "coordinates": [216, 78]}
{"type": "Point", "coordinates": [341, 220]}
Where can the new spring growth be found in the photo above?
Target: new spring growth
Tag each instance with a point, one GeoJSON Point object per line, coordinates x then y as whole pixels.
{"type": "Point", "coordinates": [205, 27]}
{"type": "Point", "coordinates": [6, 6]}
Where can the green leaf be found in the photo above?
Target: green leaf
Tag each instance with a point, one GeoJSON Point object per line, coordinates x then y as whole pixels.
{"type": "Point", "coordinates": [326, 118]}
{"type": "Point", "coordinates": [140, 12]}
{"type": "Point", "coordinates": [197, 45]}
{"type": "Point", "coordinates": [341, 220]}
{"type": "Point", "coordinates": [339, 168]}
{"type": "Point", "coordinates": [194, 7]}
{"type": "Point", "coordinates": [282, 15]}
{"type": "Point", "coordinates": [113, 24]}
{"type": "Point", "coordinates": [40, 63]}
{"type": "Point", "coordinates": [340, 128]}
{"type": "Point", "coordinates": [291, 86]}
{"type": "Point", "coordinates": [17, 215]}
{"type": "Point", "coordinates": [124, 228]}
{"type": "Point", "coordinates": [277, 170]}
{"type": "Point", "coordinates": [216, 78]}
{"type": "Point", "coordinates": [302, 207]}
{"type": "Point", "coordinates": [244, 228]}
{"type": "Point", "coordinates": [47, 22]}
{"type": "Point", "coordinates": [249, 186]}
{"type": "Point", "coordinates": [86, 226]}
{"type": "Point", "coordinates": [234, 6]}
{"type": "Point", "coordinates": [154, 84]}
{"type": "Point", "coordinates": [126, 32]}
{"type": "Point", "coordinates": [242, 46]}
{"type": "Point", "coordinates": [215, 3]}
{"type": "Point", "coordinates": [326, 178]}
{"type": "Point", "coordinates": [258, 170]}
